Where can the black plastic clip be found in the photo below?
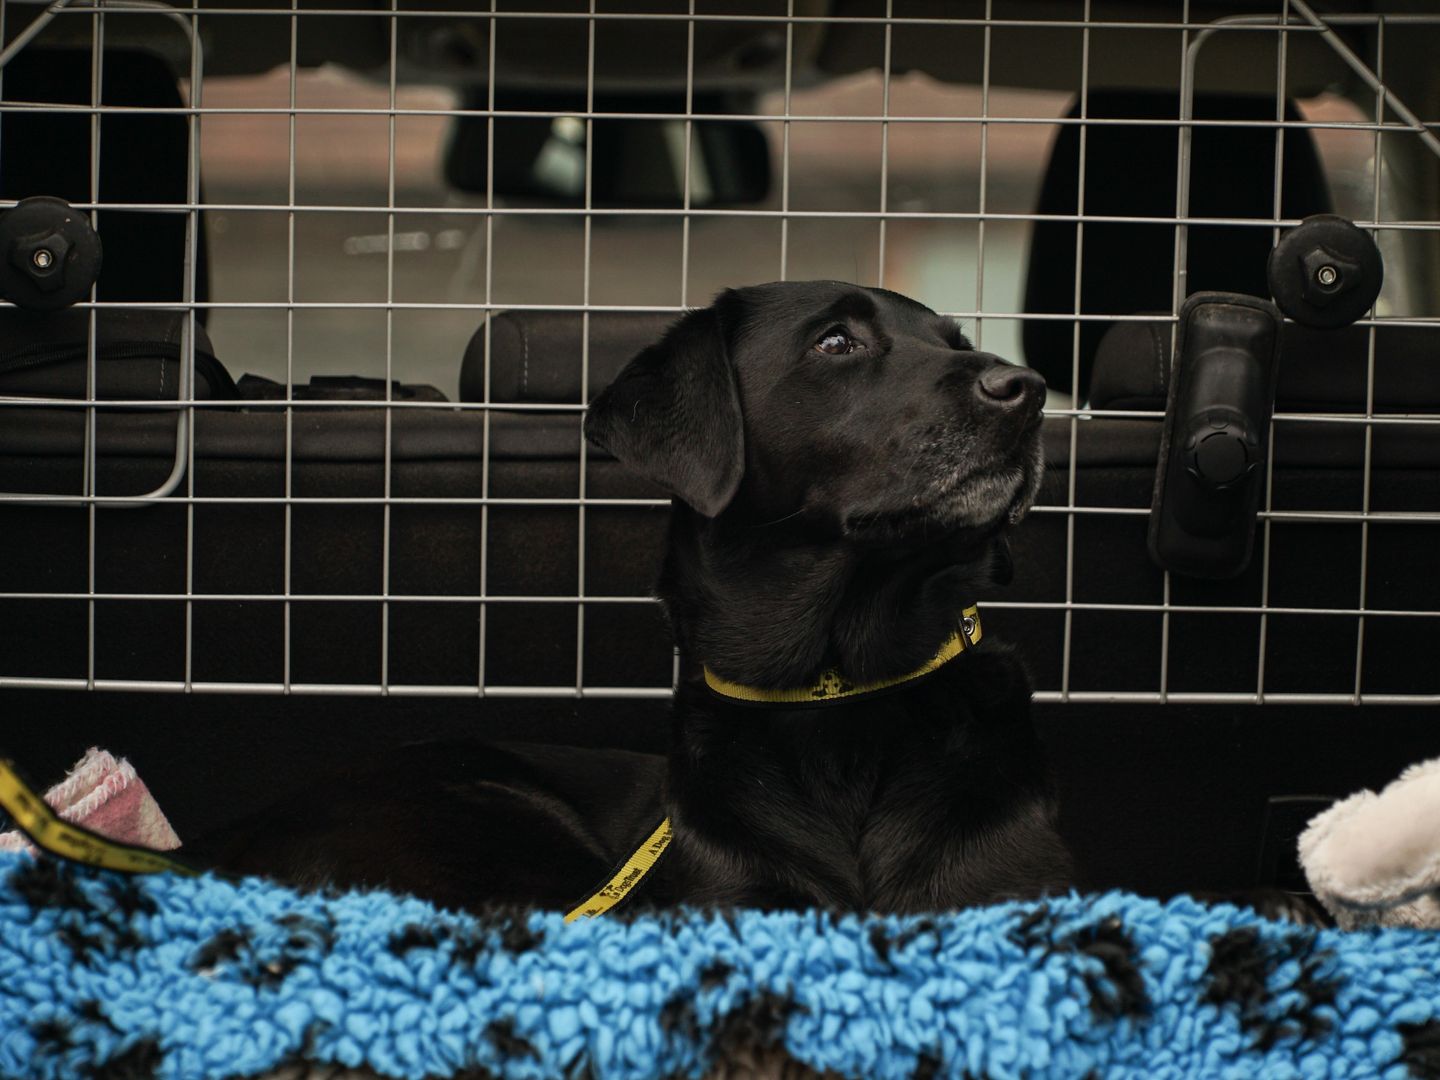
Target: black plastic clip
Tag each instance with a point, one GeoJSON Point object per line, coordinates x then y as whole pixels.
{"type": "Point", "coordinates": [1211, 470]}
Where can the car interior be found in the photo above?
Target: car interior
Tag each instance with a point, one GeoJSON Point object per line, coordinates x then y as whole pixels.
{"type": "Point", "coordinates": [331, 495]}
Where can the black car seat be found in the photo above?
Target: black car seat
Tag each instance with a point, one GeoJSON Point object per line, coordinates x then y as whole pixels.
{"type": "Point", "coordinates": [1127, 267]}
{"type": "Point", "coordinates": [536, 359]}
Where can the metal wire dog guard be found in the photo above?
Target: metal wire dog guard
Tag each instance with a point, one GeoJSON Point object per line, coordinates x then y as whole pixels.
{"type": "Point", "coordinates": [909, 142]}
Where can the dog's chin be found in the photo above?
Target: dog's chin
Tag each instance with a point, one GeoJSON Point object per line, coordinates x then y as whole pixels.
{"type": "Point", "coordinates": [1025, 496]}
{"type": "Point", "coordinates": [976, 504]}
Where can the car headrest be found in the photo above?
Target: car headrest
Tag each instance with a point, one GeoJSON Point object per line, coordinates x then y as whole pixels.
{"type": "Point", "coordinates": [137, 355]}
{"type": "Point", "coordinates": [1130, 171]}
{"type": "Point", "coordinates": [144, 158]}
{"type": "Point", "coordinates": [535, 356]}
{"type": "Point", "coordinates": [1320, 370]}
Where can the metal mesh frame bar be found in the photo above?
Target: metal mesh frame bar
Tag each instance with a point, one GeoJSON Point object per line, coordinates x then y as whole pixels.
{"type": "Point", "coordinates": [1292, 19]}
{"type": "Point", "coordinates": [1072, 472]}
{"type": "Point", "coordinates": [1260, 25]}
{"type": "Point", "coordinates": [1393, 126]}
{"type": "Point", "coordinates": [97, 53]}
{"type": "Point", "coordinates": [170, 405]}
{"type": "Point", "coordinates": [785, 212]}
{"type": "Point", "coordinates": [488, 341]}
{"type": "Point", "coordinates": [585, 338]}
{"type": "Point", "coordinates": [979, 321]}
{"type": "Point", "coordinates": [290, 338]}
{"type": "Point", "coordinates": [1265, 525]}
{"type": "Point", "coordinates": [1370, 378]}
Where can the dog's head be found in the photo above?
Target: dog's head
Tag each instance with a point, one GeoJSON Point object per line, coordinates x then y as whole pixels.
{"type": "Point", "coordinates": [856, 412]}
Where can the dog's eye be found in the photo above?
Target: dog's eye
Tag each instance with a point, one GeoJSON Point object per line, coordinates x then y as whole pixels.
{"type": "Point", "coordinates": [836, 342]}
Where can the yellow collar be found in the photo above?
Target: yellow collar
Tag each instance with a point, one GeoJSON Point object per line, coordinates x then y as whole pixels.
{"type": "Point", "coordinates": [834, 686]}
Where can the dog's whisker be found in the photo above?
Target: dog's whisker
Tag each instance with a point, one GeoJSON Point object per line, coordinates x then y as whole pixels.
{"type": "Point", "coordinates": [777, 521]}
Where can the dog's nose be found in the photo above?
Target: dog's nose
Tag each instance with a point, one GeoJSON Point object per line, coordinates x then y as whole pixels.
{"type": "Point", "coordinates": [1010, 386]}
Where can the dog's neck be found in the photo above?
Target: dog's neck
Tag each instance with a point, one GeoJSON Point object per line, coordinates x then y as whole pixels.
{"type": "Point", "coordinates": [774, 608]}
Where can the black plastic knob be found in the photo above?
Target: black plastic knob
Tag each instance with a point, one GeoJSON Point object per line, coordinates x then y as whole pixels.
{"type": "Point", "coordinates": [49, 254]}
{"type": "Point", "coordinates": [1221, 450]}
{"type": "Point", "coordinates": [1326, 272]}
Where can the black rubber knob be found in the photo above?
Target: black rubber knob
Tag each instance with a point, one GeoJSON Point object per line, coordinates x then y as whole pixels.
{"type": "Point", "coordinates": [49, 254]}
{"type": "Point", "coordinates": [1326, 272]}
{"type": "Point", "coordinates": [1220, 449]}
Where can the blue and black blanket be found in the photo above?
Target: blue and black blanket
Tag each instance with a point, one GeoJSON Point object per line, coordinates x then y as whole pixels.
{"type": "Point", "coordinates": [114, 976]}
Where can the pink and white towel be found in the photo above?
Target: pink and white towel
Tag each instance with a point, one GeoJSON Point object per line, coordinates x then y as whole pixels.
{"type": "Point", "coordinates": [103, 794]}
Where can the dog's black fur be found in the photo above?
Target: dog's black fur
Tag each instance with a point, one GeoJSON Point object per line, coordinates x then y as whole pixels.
{"type": "Point", "coordinates": [844, 467]}
{"type": "Point", "coordinates": [839, 510]}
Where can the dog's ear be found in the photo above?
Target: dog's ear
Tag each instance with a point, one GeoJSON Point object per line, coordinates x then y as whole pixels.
{"type": "Point", "coordinates": [673, 414]}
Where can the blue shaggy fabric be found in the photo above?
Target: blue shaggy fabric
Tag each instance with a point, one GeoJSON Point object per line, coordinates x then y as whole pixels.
{"type": "Point", "coordinates": [107, 975]}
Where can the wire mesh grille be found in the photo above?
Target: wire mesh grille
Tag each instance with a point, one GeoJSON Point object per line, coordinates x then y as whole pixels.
{"type": "Point", "coordinates": [317, 528]}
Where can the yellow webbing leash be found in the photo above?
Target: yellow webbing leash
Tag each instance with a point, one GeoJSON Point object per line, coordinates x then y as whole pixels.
{"type": "Point", "coordinates": [49, 832]}
{"type": "Point", "coordinates": [623, 882]}
{"type": "Point", "coordinates": [833, 686]}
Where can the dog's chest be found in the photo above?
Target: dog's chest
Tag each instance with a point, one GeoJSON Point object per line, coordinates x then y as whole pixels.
{"type": "Point", "coordinates": [824, 803]}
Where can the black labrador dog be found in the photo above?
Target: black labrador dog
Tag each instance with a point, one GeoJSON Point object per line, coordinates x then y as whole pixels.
{"type": "Point", "coordinates": [844, 467]}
